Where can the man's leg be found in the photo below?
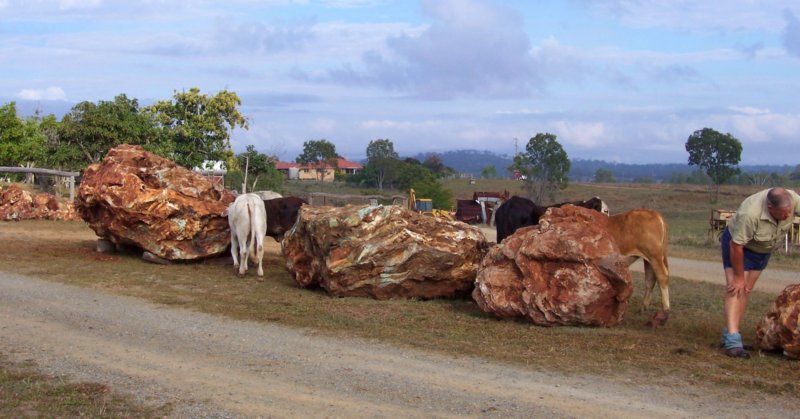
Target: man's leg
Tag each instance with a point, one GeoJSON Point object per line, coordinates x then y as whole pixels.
{"type": "Point", "coordinates": [734, 309]}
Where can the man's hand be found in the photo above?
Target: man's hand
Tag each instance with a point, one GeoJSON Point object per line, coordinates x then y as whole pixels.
{"type": "Point", "coordinates": [737, 287]}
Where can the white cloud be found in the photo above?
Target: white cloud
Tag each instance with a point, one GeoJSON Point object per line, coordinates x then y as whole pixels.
{"type": "Point", "coordinates": [580, 134]}
{"type": "Point", "coordinates": [765, 128]}
{"type": "Point", "coordinates": [791, 35]}
{"type": "Point", "coordinates": [475, 48]}
{"type": "Point", "coordinates": [78, 4]}
{"type": "Point", "coordinates": [50, 93]}
{"type": "Point", "coordinates": [749, 110]}
{"type": "Point", "coordinates": [697, 16]}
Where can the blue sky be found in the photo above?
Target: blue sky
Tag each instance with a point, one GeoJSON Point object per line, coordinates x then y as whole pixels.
{"type": "Point", "coordinates": [617, 80]}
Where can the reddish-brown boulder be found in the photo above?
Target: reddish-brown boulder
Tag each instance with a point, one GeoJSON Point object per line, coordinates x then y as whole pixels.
{"type": "Point", "coordinates": [382, 252]}
{"type": "Point", "coordinates": [564, 271]}
{"type": "Point", "coordinates": [17, 204]}
{"type": "Point", "coordinates": [137, 198]}
{"type": "Point", "coordinates": [779, 329]}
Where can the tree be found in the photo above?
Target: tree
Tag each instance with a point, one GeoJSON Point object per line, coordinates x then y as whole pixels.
{"type": "Point", "coordinates": [489, 172]}
{"type": "Point", "coordinates": [382, 161]}
{"type": "Point", "coordinates": [321, 154]}
{"type": "Point", "coordinates": [545, 166]}
{"type": "Point", "coordinates": [85, 135]}
{"type": "Point", "coordinates": [717, 153]}
{"type": "Point", "coordinates": [196, 126]}
{"type": "Point", "coordinates": [604, 176]}
{"type": "Point", "coordinates": [22, 142]}
{"type": "Point", "coordinates": [259, 167]}
{"type": "Point", "coordinates": [435, 164]}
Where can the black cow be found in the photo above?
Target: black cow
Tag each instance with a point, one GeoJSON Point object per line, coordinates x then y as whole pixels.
{"type": "Point", "coordinates": [281, 215]}
{"type": "Point", "coordinates": [519, 212]}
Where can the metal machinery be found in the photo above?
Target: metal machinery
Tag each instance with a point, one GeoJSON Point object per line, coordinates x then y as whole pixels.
{"type": "Point", "coordinates": [425, 206]}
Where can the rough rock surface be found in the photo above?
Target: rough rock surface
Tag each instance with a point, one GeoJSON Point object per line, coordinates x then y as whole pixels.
{"type": "Point", "coordinates": [382, 252]}
{"type": "Point", "coordinates": [565, 271]}
{"type": "Point", "coordinates": [18, 204]}
{"type": "Point", "coordinates": [779, 329]}
{"type": "Point", "coordinates": [137, 198]}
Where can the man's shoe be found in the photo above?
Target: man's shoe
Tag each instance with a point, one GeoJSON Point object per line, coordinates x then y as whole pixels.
{"type": "Point", "coordinates": [737, 353]}
{"type": "Point", "coordinates": [746, 347]}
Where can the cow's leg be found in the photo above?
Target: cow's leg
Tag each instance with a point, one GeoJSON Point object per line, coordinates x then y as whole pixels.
{"type": "Point", "coordinates": [660, 273]}
{"type": "Point", "coordinates": [244, 254]}
{"type": "Point", "coordinates": [260, 255]}
{"type": "Point", "coordinates": [649, 284]}
{"type": "Point", "coordinates": [234, 249]}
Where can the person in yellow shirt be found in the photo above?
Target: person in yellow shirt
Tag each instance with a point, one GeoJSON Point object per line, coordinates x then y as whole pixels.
{"type": "Point", "coordinates": [758, 226]}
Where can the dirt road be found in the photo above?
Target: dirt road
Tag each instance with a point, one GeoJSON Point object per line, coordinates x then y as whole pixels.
{"type": "Point", "coordinates": [214, 367]}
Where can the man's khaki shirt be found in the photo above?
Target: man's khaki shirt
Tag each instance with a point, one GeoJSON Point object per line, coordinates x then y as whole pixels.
{"type": "Point", "coordinates": [753, 227]}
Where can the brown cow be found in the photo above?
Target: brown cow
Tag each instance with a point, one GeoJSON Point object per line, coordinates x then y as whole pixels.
{"type": "Point", "coordinates": [281, 215]}
{"type": "Point", "coordinates": [642, 233]}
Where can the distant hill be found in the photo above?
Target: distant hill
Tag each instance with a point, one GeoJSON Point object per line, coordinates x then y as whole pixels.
{"type": "Point", "coordinates": [472, 162]}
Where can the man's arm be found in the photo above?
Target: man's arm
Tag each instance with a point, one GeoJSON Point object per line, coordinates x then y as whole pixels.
{"type": "Point", "coordinates": [737, 285]}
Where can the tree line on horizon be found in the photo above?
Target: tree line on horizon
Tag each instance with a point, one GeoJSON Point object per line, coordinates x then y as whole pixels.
{"type": "Point", "coordinates": [193, 128]}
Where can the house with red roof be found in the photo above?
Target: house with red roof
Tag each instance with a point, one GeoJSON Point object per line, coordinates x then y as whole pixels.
{"type": "Point", "coordinates": [299, 171]}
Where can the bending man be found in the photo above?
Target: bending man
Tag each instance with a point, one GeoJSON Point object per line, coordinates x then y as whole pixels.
{"type": "Point", "coordinates": [758, 226]}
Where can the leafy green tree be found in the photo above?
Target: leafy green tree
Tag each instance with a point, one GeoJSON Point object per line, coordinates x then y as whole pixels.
{"type": "Point", "coordinates": [197, 127]}
{"type": "Point", "coordinates": [382, 161]}
{"type": "Point", "coordinates": [435, 164]}
{"type": "Point", "coordinates": [321, 154]}
{"type": "Point", "coordinates": [604, 176]}
{"type": "Point", "coordinates": [22, 142]}
{"type": "Point", "coordinates": [489, 172]}
{"type": "Point", "coordinates": [719, 154]}
{"type": "Point", "coordinates": [545, 166]}
{"type": "Point", "coordinates": [261, 171]}
{"type": "Point", "coordinates": [86, 134]}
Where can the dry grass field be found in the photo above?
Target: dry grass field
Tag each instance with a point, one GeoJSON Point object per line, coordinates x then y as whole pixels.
{"type": "Point", "coordinates": [684, 352]}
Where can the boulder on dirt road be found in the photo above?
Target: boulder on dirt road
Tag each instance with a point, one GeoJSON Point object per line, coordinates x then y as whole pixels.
{"type": "Point", "coordinates": [137, 198]}
{"type": "Point", "coordinates": [779, 329]}
{"type": "Point", "coordinates": [564, 271]}
{"type": "Point", "coordinates": [382, 252]}
{"type": "Point", "coordinates": [18, 204]}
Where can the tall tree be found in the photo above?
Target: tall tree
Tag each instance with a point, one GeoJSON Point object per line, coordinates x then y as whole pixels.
{"type": "Point", "coordinates": [489, 172]}
{"type": "Point", "coordinates": [198, 126]}
{"type": "Point", "coordinates": [321, 154]}
{"type": "Point", "coordinates": [21, 141]}
{"type": "Point", "coordinates": [259, 167]}
{"type": "Point", "coordinates": [719, 154]}
{"type": "Point", "coordinates": [87, 133]}
{"type": "Point", "coordinates": [604, 176]}
{"type": "Point", "coordinates": [382, 161]}
{"type": "Point", "coordinates": [545, 165]}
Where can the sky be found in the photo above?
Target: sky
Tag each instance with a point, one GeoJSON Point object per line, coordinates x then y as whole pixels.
{"type": "Point", "coordinates": [624, 81]}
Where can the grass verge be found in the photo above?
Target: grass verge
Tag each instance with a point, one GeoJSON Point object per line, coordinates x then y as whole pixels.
{"type": "Point", "coordinates": [26, 393]}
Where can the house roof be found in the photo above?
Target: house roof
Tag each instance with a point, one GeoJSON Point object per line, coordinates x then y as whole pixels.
{"type": "Point", "coordinates": [342, 163]}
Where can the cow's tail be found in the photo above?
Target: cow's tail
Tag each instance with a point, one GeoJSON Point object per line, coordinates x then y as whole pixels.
{"type": "Point", "coordinates": [664, 239]}
{"type": "Point", "coordinates": [251, 237]}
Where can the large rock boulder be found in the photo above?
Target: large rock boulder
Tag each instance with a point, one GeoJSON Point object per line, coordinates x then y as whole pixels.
{"type": "Point", "coordinates": [137, 198]}
{"type": "Point", "coordinates": [18, 204]}
{"type": "Point", "coordinates": [564, 271]}
{"type": "Point", "coordinates": [779, 329]}
{"type": "Point", "coordinates": [382, 252]}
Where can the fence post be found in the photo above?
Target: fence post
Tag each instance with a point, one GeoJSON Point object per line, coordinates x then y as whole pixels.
{"type": "Point", "coordinates": [71, 188]}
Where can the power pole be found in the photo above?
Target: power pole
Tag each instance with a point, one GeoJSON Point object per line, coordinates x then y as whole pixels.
{"type": "Point", "coordinates": [515, 146]}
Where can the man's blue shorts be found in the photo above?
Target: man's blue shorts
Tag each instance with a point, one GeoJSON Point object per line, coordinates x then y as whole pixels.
{"type": "Point", "coordinates": [753, 261]}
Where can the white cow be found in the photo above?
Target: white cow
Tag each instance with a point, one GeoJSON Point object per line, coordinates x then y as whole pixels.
{"type": "Point", "coordinates": [248, 221]}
